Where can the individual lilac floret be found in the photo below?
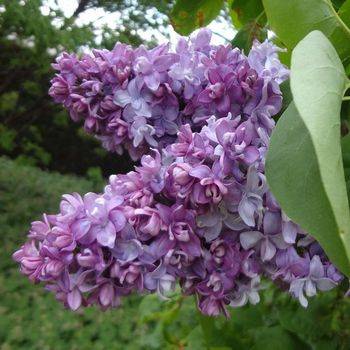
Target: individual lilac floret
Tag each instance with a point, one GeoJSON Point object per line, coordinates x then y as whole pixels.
{"type": "Point", "coordinates": [263, 57]}
{"type": "Point", "coordinates": [139, 98]}
{"type": "Point", "coordinates": [316, 278]}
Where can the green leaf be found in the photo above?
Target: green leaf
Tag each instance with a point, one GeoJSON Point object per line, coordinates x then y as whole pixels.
{"type": "Point", "coordinates": [312, 324]}
{"type": "Point", "coordinates": [345, 113]}
{"type": "Point", "coordinates": [249, 16]}
{"type": "Point", "coordinates": [245, 11]}
{"type": "Point", "coordinates": [7, 138]}
{"type": "Point", "coordinates": [337, 4]}
{"type": "Point", "coordinates": [196, 339]}
{"type": "Point", "coordinates": [345, 145]}
{"type": "Point", "coordinates": [186, 16]}
{"type": "Point", "coordinates": [247, 34]}
{"type": "Point", "coordinates": [294, 177]}
{"type": "Point", "coordinates": [344, 13]}
{"type": "Point", "coordinates": [234, 15]}
{"type": "Point", "coordinates": [277, 338]}
{"type": "Point", "coordinates": [318, 74]}
{"type": "Point", "coordinates": [286, 94]}
{"type": "Point", "coordinates": [285, 55]}
{"type": "Point", "coordinates": [304, 166]}
{"type": "Point", "coordinates": [292, 20]}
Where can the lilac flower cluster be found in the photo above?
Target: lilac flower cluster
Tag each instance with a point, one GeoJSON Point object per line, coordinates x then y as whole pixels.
{"type": "Point", "coordinates": [200, 215]}
{"type": "Point", "coordinates": [138, 98]}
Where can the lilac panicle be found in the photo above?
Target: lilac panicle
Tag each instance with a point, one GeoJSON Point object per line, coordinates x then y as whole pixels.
{"type": "Point", "coordinates": [197, 212]}
{"type": "Point", "coordinates": [138, 99]}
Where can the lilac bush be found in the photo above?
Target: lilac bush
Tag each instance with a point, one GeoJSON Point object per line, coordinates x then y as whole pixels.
{"type": "Point", "coordinates": [197, 212]}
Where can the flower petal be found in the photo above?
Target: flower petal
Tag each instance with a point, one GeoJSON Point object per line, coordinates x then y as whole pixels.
{"type": "Point", "coordinates": [249, 239]}
{"type": "Point", "coordinates": [74, 299]}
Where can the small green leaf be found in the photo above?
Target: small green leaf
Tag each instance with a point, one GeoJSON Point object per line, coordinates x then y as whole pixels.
{"type": "Point", "coordinates": [186, 16]}
{"type": "Point", "coordinates": [292, 20]}
{"type": "Point", "coordinates": [247, 34]}
{"type": "Point", "coordinates": [249, 17]}
{"type": "Point", "coordinates": [234, 15]}
{"type": "Point", "coordinates": [246, 11]}
{"type": "Point", "coordinates": [304, 165]}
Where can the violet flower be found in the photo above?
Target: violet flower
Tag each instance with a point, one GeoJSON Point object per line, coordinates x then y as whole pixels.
{"type": "Point", "coordinates": [316, 279]}
{"type": "Point", "coordinates": [197, 211]}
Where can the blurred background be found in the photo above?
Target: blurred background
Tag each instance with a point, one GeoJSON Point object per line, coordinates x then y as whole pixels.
{"type": "Point", "coordinates": [43, 155]}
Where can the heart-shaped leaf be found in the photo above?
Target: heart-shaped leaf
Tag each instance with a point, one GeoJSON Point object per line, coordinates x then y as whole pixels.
{"type": "Point", "coordinates": [304, 165]}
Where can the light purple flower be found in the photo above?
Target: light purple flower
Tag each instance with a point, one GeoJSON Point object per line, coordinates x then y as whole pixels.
{"type": "Point", "coordinates": [140, 130]}
{"type": "Point", "coordinates": [263, 57]}
{"type": "Point", "coordinates": [250, 206]}
{"type": "Point", "coordinates": [316, 279]}
{"type": "Point", "coordinates": [196, 212]}
{"type": "Point", "coordinates": [246, 293]}
{"type": "Point", "coordinates": [267, 242]}
{"type": "Point", "coordinates": [210, 188]}
{"type": "Point", "coordinates": [185, 87]}
{"type": "Point", "coordinates": [132, 98]}
{"type": "Point", "coordinates": [160, 281]}
{"type": "Point", "coordinates": [216, 219]}
{"type": "Point", "coordinates": [153, 64]}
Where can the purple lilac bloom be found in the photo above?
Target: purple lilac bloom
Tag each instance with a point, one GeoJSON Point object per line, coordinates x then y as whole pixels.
{"type": "Point", "coordinates": [137, 99]}
{"type": "Point", "coordinates": [200, 215]}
